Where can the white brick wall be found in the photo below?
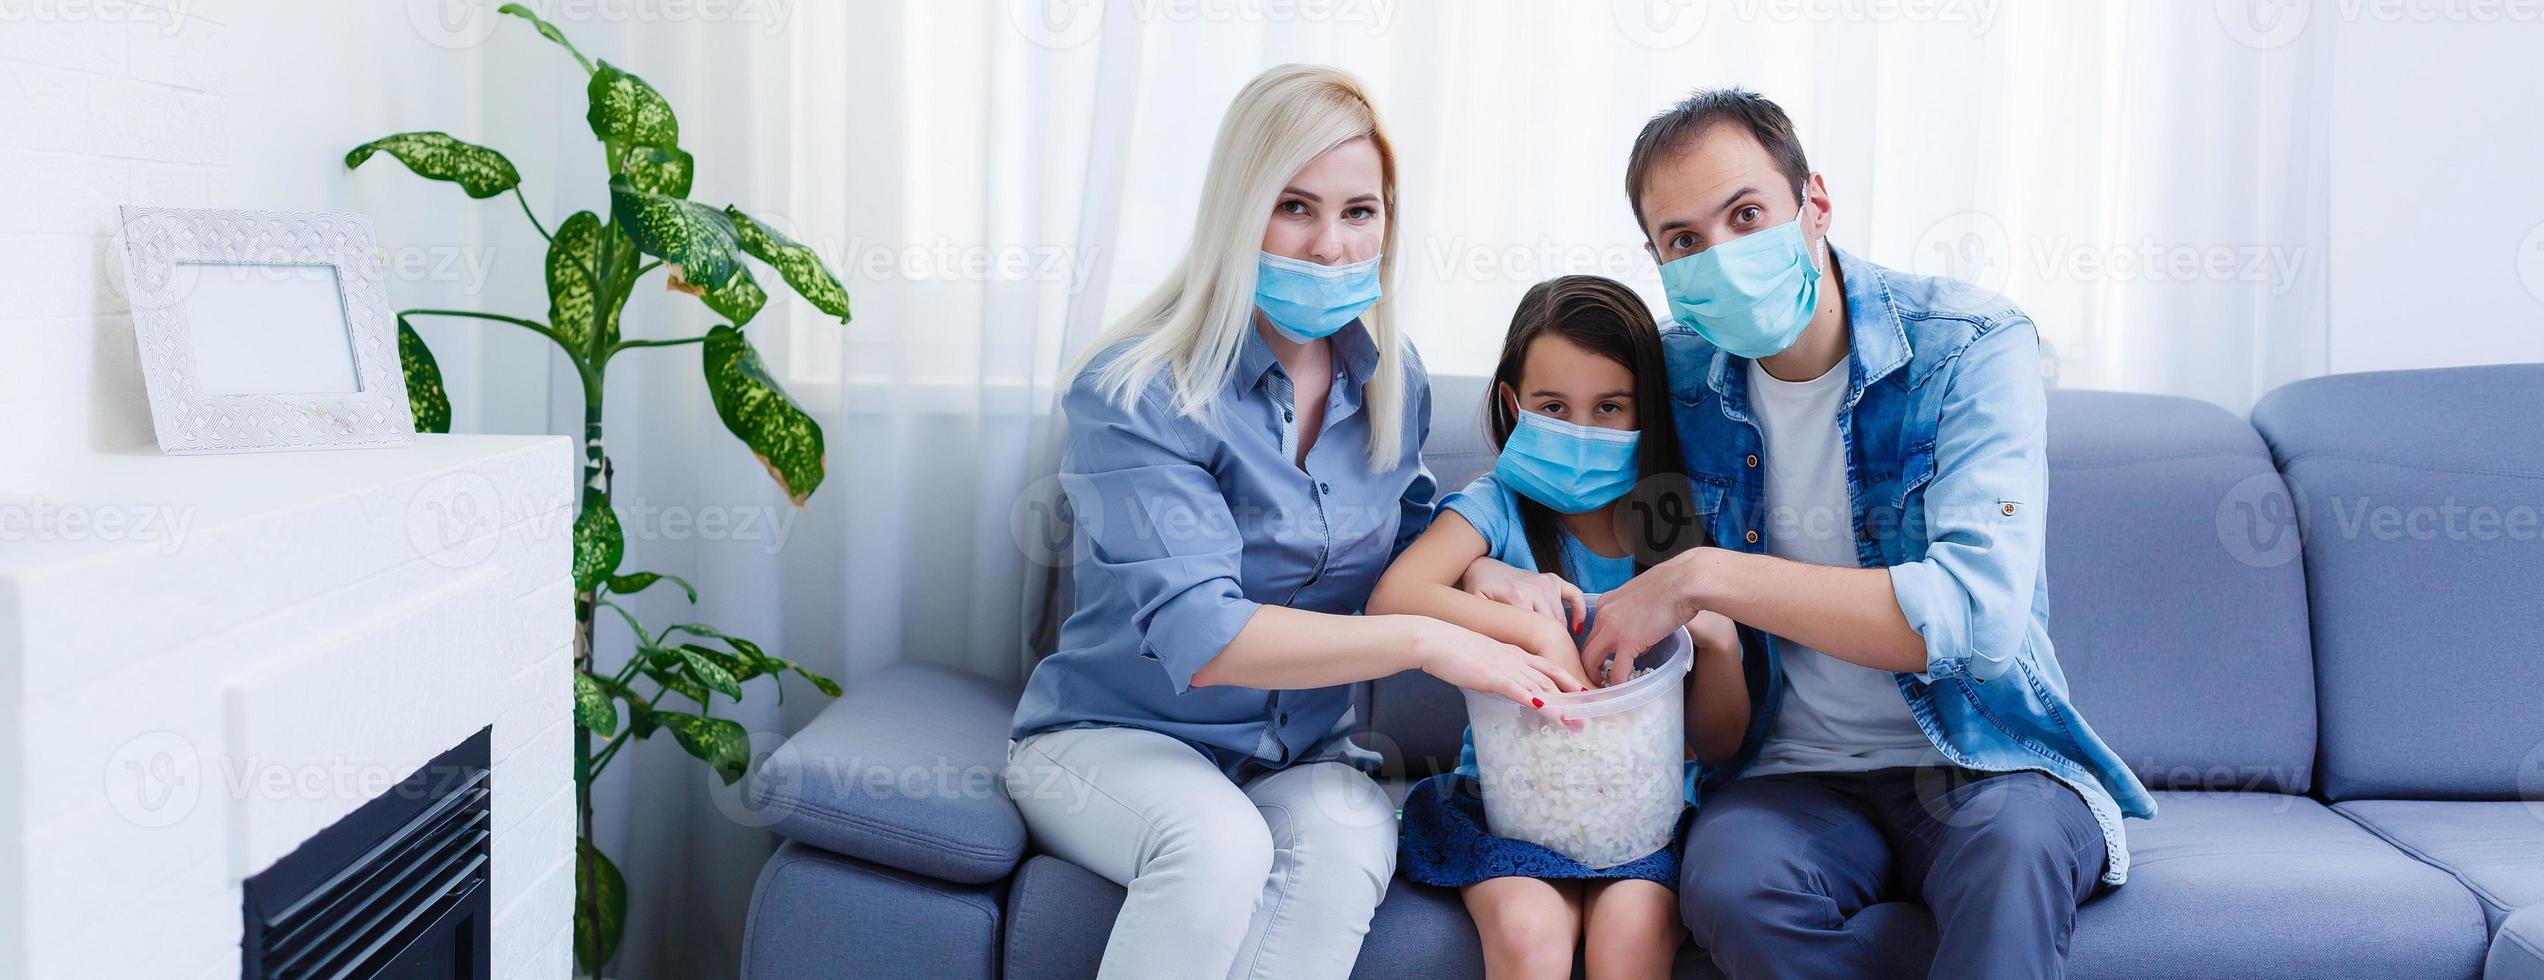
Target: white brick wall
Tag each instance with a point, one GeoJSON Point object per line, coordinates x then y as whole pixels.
{"type": "Point", "coordinates": [188, 709]}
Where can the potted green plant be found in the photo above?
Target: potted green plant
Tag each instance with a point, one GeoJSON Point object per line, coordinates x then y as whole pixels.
{"type": "Point", "coordinates": [593, 264]}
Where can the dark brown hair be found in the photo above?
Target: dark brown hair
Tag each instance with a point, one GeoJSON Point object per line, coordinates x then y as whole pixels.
{"type": "Point", "coordinates": [1603, 317]}
{"type": "Point", "coordinates": [1670, 132]}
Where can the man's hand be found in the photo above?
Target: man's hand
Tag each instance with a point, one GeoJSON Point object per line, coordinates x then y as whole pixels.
{"type": "Point", "coordinates": [1540, 592]}
{"type": "Point", "coordinates": [1638, 614]}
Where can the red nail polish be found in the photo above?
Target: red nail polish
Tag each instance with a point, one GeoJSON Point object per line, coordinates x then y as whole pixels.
{"type": "Point", "coordinates": [1537, 702]}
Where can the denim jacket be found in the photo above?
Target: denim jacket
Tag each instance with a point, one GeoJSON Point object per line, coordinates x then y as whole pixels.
{"type": "Point", "coordinates": [1943, 425]}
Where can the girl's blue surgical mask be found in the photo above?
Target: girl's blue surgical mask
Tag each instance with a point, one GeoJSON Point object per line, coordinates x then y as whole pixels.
{"type": "Point", "coordinates": [1306, 301]}
{"type": "Point", "coordinates": [1751, 295]}
{"type": "Point", "coordinates": [1572, 468]}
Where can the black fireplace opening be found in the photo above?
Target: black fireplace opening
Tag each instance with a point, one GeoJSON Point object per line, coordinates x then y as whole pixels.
{"type": "Point", "coordinates": [394, 891]}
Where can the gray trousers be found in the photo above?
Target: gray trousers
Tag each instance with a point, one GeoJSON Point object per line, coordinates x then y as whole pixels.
{"type": "Point", "coordinates": [1776, 865]}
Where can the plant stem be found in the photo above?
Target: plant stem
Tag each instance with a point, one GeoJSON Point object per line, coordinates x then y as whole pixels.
{"type": "Point", "coordinates": [625, 344]}
{"type": "Point", "coordinates": [610, 751]}
{"type": "Point", "coordinates": [586, 609]}
{"type": "Point", "coordinates": [533, 326]}
{"type": "Point", "coordinates": [525, 212]}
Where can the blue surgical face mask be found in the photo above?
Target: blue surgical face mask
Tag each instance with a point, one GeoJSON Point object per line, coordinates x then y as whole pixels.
{"type": "Point", "coordinates": [1306, 301]}
{"type": "Point", "coordinates": [1574, 469]}
{"type": "Point", "coordinates": [1751, 295]}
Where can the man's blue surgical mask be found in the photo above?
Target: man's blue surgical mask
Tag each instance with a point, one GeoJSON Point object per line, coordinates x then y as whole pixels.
{"type": "Point", "coordinates": [1306, 301]}
{"type": "Point", "coordinates": [1574, 469]}
{"type": "Point", "coordinates": [1751, 295]}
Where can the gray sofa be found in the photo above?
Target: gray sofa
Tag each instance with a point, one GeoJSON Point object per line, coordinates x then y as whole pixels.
{"type": "Point", "coordinates": [2345, 734]}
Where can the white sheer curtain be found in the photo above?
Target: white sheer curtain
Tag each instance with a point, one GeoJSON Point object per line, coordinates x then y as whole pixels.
{"type": "Point", "coordinates": [993, 180]}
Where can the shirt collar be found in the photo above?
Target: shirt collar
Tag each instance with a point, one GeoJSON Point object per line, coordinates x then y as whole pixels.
{"type": "Point", "coordinates": [1355, 354]}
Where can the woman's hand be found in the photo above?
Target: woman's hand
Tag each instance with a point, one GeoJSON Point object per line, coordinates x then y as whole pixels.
{"type": "Point", "coordinates": [1477, 662]}
{"type": "Point", "coordinates": [1554, 645]}
{"type": "Point", "coordinates": [1541, 592]}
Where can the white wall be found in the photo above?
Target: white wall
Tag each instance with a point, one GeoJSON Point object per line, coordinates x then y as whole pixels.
{"type": "Point", "coordinates": [231, 103]}
{"type": "Point", "coordinates": [2437, 220]}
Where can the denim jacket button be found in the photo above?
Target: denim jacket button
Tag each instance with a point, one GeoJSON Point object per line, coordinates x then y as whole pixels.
{"type": "Point", "coordinates": [1753, 461]}
{"type": "Point", "coordinates": [1751, 537]}
{"type": "Point", "coordinates": [2009, 508]}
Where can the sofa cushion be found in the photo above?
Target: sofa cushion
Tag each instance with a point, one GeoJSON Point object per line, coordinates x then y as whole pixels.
{"type": "Point", "coordinates": [2496, 849]}
{"type": "Point", "coordinates": [817, 915]}
{"type": "Point", "coordinates": [2183, 636]}
{"type": "Point", "coordinates": [2253, 885]}
{"type": "Point", "coordinates": [2517, 951]}
{"type": "Point", "coordinates": [906, 770]}
{"type": "Point", "coordinates": [2420, 495]}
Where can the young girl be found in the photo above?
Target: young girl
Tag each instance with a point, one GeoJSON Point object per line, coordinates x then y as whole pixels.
{"type": "Point", "coordinates": [1580, 408]}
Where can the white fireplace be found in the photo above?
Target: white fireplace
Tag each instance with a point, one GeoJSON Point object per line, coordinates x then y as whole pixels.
{"type": "Point", "coordinates": [206, 660]}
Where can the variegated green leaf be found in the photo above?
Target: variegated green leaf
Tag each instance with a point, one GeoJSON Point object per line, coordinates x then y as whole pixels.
{"type": "Point", "coordinates": [656, 170]}
{"type": "Point", "coordinates": [757, 410]}
{"type": "Point", "coordinates": [546, 30]}
{"type": "Point", "coordinates": [424, 394]}
{"type": "Point", "coordinates": [592, 706]}
{"type": "Point", "coordinates": [739, 299]}
{"type": "Point", "coordinates": [706, 671]}
{"type": "Point", "coordinates": [598, 542]}
{"type": "Point", "coordinates": [802, 267]}
{"type": "Point", "coordinates": [600, 907]}
{"type": "Point", "coordinates": [676, 681]}
{"type": "Point", "coordinates": [627, 112]}
{"type": "Point", "coordinates": [635, 582]}
{"type": "Point", "coordinates": [574, 299]}
{"type": "Point", "coordinates": [479, 171]}
{"type": "Point", "coordinates": [820, 683]}
{"type": "Point", "coordinates": [720, 742]}
{"type": "Point", "coordinates": [697, 238]}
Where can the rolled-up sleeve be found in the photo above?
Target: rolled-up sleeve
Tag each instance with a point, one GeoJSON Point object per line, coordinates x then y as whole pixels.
{"type": "Point", "coordinates": [1156, 528]}
{"type": "Point", "coordinates": [1970, 597]}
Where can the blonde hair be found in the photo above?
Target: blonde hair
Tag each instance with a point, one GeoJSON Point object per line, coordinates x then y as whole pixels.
{"type": "Point", "coordinates": [1195, 324]}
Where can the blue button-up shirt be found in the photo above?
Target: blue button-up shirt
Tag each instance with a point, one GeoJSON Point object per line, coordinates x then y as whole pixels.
{"type": "Point", "coordinates": [1186, 526]}
{"type": "Point", "coordinates": [1944, 425]}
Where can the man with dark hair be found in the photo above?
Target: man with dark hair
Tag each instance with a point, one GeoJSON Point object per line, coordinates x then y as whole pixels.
{"type": "Point", "coordinates": [1867, 448]}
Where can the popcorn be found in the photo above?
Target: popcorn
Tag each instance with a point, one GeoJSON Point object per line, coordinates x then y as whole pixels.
{"type": "Point", "coordinates": [1596, 776]}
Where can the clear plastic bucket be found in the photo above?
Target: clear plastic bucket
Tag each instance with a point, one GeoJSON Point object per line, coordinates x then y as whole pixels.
{"type": "Point", "coordinates": [1597, 776]}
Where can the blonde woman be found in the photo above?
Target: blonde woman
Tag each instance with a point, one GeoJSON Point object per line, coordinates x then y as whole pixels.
{"type": "Point", "coordinates": [1244, 459]}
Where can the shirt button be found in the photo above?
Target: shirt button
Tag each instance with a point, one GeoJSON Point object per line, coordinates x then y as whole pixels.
{"type": "Point", "coordinates": [1753, 461]}
{"type": "Point", "coordinates": [1287, 417]}
{"type": "Point", "coordinates": [1752, 537]}
{"type": "Point", "coordinates": [1329, 488]}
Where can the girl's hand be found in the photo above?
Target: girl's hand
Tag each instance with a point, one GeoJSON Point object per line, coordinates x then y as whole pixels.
{"type": "Point", "coordinates": [1562, 657]}
{"type": "Point", "coordinates": [1541, 592]}
{"type": "Point", "coordinates": [1477, 662]}
{"type": "Point", "coordinates": [1715, 633]}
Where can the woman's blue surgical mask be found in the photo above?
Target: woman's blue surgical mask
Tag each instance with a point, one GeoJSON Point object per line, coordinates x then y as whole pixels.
{"type": "Point", "coordinates": [1572, 468]}
{"type": "Point", "coordinates": [1751, 295]}
{"type": "Point", "coordinates": [1306, 301]}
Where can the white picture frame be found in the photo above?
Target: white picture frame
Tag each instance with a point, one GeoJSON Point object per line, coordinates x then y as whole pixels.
{"type": "Point", "coordinates": [263, 330]}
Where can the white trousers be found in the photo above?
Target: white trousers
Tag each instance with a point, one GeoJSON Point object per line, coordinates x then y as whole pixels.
{"type": "Point", "coordinates": [1277, 878]}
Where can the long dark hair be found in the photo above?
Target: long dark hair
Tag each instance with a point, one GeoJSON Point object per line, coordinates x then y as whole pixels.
{"type": "Point", "coordinates": [1605, 318]}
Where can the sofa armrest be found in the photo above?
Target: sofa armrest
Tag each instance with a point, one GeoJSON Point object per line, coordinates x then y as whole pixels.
{"type": "Point", "coordinates": [906, 770]}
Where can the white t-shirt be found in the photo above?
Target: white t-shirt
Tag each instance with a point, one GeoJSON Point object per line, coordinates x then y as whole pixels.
{"type": "Point", "coordinates": [1837, 716]}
